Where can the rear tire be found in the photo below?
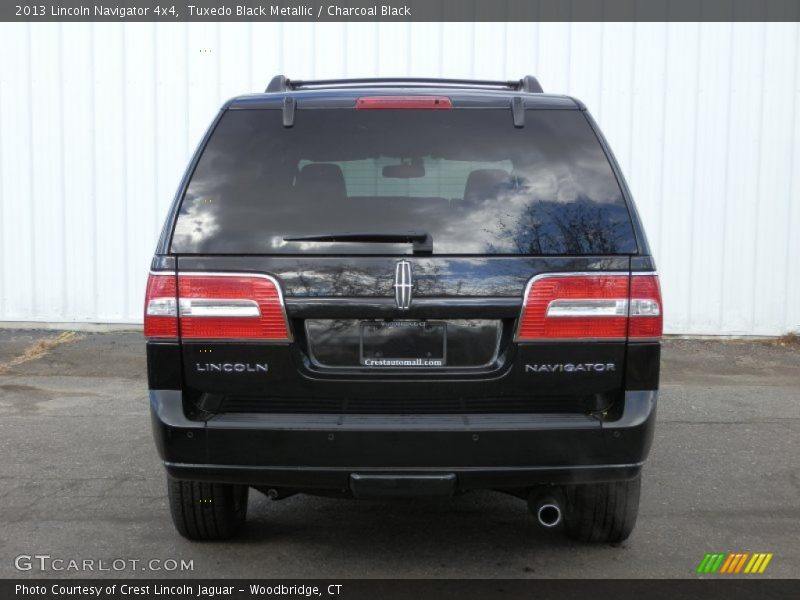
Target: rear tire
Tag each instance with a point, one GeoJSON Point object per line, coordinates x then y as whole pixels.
{"type": "Point", "coordinates": [207, 511]}
{"type": "Point", "coordinates": [602, 512]}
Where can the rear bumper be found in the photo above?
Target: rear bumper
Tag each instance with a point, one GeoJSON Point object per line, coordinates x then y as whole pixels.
{"type": "Point", "coordinates": [480, 451]}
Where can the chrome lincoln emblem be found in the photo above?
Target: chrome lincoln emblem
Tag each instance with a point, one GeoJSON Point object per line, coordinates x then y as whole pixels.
{"type": "Point", "coordinates": [403, 284]}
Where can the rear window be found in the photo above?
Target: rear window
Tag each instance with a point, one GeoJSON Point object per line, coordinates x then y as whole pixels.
{"type": "Point", "coordinates": [467, 177]}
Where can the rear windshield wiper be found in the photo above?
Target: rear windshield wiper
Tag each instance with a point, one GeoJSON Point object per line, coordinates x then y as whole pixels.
{"type": "Point", "coordinates": [423, 242]}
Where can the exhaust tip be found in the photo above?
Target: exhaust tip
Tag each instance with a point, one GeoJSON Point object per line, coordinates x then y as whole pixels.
{"type": "Point", "coordinates": [545, 505]}
{"type": "Point", "coordinates": [548, 514]}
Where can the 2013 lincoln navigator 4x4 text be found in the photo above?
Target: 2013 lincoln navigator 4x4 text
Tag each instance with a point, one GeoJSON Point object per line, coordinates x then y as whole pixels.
{"type": "Point", "coordinates": [383, 287]}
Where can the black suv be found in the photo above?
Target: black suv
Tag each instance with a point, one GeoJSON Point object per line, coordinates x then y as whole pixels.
{"type": "Point", "coordinates": [396, 287]}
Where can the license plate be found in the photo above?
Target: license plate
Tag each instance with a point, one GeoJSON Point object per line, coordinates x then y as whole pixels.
{"type": "Point", "coordinates": [403, 343]}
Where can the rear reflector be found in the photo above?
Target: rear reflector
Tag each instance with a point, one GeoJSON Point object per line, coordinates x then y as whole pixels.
{"type": "Point", "coordinates": [216, 306]}
{"type": "Point", "coordinates": [389, 102]}
{"type": "Point", "coordinates": [590, 307]}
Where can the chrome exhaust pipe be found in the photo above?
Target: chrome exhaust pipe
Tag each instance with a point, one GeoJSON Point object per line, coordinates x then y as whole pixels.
{"type": "Point", "coordinates": [546, 507]}
{"type": "Point", "coordinates": [548, 512]}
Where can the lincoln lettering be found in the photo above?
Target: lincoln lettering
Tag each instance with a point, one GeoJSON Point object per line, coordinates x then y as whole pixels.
{"type": "Point", "coordinates": [571, 368]}
{"type": "Point", "coordinates": [232, 367]}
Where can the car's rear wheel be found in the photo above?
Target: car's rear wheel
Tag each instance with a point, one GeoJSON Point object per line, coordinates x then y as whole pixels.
{"type": "Point", "coordinates": [207, 511]}
{"type": "Point", "coordinates": [602, 512]}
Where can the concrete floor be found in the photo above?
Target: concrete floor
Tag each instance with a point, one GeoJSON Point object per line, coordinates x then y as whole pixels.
{"type": "Point", "coordinates": [80, 479]}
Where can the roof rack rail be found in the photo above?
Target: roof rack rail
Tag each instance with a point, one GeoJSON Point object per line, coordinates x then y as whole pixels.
{"type": "Point", "coordinates": [281, 83]}
{"type": "Point", "coordinates": [530, 84]}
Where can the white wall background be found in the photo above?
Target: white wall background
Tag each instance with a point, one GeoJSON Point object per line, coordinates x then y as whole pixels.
{"type": "Point", "coordinates": [97, 122]}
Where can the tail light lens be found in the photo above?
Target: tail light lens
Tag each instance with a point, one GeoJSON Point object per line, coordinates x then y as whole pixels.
{"type": "Point", "coordinates": [593, 307]}
{"type": "Point", "coordinates": [224, 306]}
{"type": "Point", "coordinates": [161, 307]}
{"type": "Point", "coordinates": [646, 316]}
{"type": "Point", "coordinates": [217, 306]}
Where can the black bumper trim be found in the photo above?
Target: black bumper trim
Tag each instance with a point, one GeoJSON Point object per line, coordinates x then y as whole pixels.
{"type": "Point", "coordinates": [321, 451]}
{"type": "Point", "coordinates": [310, 478]}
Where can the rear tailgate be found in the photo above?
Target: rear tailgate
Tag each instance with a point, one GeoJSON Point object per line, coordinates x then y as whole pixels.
{"type": "Point", "coordinates": [340, 318]}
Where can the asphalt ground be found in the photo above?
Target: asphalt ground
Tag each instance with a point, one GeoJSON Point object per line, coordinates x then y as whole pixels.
{"type": "Point", "coordinates": [80, 479]}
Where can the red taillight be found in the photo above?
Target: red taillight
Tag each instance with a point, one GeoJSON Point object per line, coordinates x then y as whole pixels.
{"type": "Point", "coordinates": [386, 102]}
{"type": "Point", "coordinates": [225, 306]}
{"type": "Point", "coordinates": [161, 307]}
{"type": "Point", "coordinates": [217, 306]}
{"type": "Point", "coordinates": [594, 307]}
{"type": "Point", "coordinates": [647, 316]}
